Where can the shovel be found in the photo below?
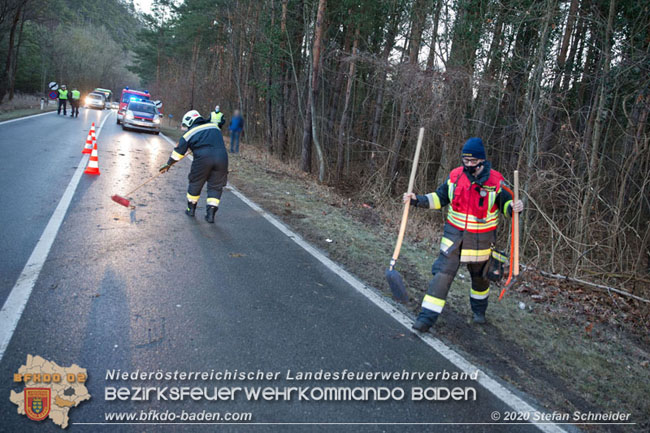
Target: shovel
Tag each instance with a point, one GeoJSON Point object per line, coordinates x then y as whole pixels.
{"type": "Point", "coordinates": [514, 244]}
{"type": "Point", "coordinates": [393, 277]}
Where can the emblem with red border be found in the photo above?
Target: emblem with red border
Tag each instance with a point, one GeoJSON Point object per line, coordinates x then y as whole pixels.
{"type": "Point", "coordinates": [38, 403]}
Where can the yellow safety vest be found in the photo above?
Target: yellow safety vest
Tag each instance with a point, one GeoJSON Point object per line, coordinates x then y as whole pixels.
{"type": "Point", "coordinates": [76, 94]}
{"type": "Point", "coordinates": [216, 118]}
{"type": "Point", "coordinates": [63, 94]}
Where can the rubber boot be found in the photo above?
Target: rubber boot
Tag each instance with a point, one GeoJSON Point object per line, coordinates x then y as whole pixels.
{"type": "Point", "coordinates": [479, 318]}
{"type": "Point", "coordinates": [209, 214]}
{"type": "Point", "coordinates": [191, 208]}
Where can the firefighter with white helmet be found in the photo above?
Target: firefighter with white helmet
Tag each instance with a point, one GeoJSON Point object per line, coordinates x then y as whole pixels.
{"type": "Point", "coordinates": [210, 164]}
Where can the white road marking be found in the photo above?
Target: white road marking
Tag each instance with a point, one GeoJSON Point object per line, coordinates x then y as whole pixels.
{"type": "Point", "coordinates": [14, 306]}
{"type": "Point", "coordinates": [26, 117]}
{"type": "Point", "coordinates": [501, 392]}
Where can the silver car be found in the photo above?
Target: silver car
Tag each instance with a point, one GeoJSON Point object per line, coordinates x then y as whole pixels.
{"type": "Point", "coordinates": [95, 100]}
{"type": "Point", "coordinates": [142, 115]}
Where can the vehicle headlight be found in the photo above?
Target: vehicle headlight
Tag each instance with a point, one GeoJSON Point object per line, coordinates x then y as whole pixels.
{"type": "Point", "coordinates": [87, 100]}
{"type": "Point", "coordinates": [129, 114]}
{"type": "Point", "coordinates": [156, 119]}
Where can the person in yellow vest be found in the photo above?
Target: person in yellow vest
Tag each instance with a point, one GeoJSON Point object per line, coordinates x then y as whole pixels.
{"type": "Point", "coordinates": [74, 102]}
{"type": "Point", "coordinates": [63, 100]}
{"type": "Point", "coordinates": [217, 118]}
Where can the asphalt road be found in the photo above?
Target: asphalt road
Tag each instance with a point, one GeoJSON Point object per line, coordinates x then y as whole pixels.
{"type": "Point", "coordinates": [151, 289]}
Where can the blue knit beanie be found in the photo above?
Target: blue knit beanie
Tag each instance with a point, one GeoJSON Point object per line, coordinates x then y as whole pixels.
{"type": "Point", "coordinates": [473, 148]}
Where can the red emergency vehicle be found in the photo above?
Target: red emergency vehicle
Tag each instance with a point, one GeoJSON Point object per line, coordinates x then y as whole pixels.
{"type": "Point", "coordinates": [129, 95]}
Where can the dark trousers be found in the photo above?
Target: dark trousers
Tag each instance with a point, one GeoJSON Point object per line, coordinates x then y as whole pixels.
{"type": "Point", "coordinates": [444, 270]}
{"type": "Point", "coordinates": [62, 102]}
{"type": "Point", "coordinates": [210, 165]}
{"type": "Point", "coordinates": [74, 107]}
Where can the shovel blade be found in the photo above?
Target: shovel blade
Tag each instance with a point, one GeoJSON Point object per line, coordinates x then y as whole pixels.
{"type": "Point", "coordinates": [120, 200]}
{"type": "Point", "coordinates": [397, 286]}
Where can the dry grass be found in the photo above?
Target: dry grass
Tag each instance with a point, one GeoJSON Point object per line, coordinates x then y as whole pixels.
{"type": "Point", "coordinates": [23, 105]}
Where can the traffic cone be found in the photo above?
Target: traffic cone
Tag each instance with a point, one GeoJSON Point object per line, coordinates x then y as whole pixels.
{"type": "Point", "coordinates": [93, 162]}
{"type": "Point", "coordinates": [88, 148]}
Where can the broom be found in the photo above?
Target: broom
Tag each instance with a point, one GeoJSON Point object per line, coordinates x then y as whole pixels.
{"type": "Point", "coordinates": [395, 280]}
{"type": "Point", "coordinates": [125, 202]}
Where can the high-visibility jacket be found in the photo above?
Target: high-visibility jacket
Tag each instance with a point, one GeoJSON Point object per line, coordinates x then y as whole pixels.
{"type": "Point", "coordinates": [76, 94]}
{"type": "Point", "coordinates": [473, 216]}
{"type": "Point", "coordinates": [63, 94]}
{"type": "Point", "coordinates": [217, 118]}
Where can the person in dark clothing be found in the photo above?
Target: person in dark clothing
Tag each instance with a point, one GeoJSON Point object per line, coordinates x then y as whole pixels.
{"type": "Point", "coordinates": [476, 196]}
{"type": "Point", "coordinates": [74, 102]}
{"type": "Point", "coordinates": [210, 163]}
{"type": "Point", "coordinates": [236, 127]}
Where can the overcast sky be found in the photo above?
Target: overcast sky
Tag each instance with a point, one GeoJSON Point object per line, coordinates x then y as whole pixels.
{"type": "Point", "coordinates": [143, 5]}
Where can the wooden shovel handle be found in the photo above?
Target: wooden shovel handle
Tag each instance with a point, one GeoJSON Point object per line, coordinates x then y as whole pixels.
{"type": "Point", "coordinates": [515, 224]}
{"type": "Point", "coordinates": [405, 213]}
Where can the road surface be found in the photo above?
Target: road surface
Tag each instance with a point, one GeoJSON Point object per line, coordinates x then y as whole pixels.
{"type": "Point", "coordinates": [151, 290]}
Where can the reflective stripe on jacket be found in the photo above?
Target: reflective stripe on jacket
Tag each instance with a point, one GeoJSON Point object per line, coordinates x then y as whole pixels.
{"type": "Point", "coordinates": [473, 213]}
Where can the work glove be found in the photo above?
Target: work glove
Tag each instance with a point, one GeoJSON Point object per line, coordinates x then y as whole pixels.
{"type": "Point", "coordinates": [165, 168]}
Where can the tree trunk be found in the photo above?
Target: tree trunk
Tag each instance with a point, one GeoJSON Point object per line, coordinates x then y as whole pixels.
{"type": "Point", "coordinates": [283, 94]}
{"type": "Point", "coordinates": [269, 90]}
{"type": "Point", "coordinates": [346, 107]}
{"type": "Point", "coordinates": [458, 76]}
{"type": "Point", "coordinates": [16, 57]}
{"type": "Point", "coordinates": [388, 47]}
{"type": "Point", "coordinates": [592, 171]}
{"type": "Point", "coordinates": [305, 161]}
{"type": "Point", "coordinates": [434, 36]}
{"type": "Point", "coordinates": [549, 125]}
{"type": "Point", "coordinates": [7, 75]}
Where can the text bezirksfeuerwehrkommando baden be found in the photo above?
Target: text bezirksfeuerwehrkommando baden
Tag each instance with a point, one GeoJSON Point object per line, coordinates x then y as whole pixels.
{"type": "Point", "coordinates": [288, 375]}
{"type": "Point", "coordinates": [167, 389]}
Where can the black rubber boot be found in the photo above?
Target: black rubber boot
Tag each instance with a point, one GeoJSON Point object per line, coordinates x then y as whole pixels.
{"type": "Point", "coordinates": [209, 214]}
{"type": "Point", "coordinates": [479, 318]}
{"type": "Point", "coordinates": [191, 208]}
{"type": "Point", "coordinates": [421, 326]}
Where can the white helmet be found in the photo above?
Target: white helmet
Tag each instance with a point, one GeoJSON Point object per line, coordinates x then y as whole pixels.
{"type": "Point", "coordinates": [190, 117]}
{"type": "Point", "coordinates": [216, 108]}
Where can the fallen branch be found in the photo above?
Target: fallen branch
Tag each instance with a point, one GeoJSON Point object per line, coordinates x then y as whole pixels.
{"type": "Point", "coordinates": [599, 286]}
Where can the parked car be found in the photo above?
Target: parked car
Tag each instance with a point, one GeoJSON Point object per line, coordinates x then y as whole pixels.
{"type": "Point", "coordinates": [142, 115]}
{"type": "Point", "coordinates": [95, 100]}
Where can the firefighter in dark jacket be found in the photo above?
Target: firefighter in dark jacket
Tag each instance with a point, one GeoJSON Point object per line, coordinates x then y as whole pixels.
{"type": "Point", "coordinates": [476, 197]}
{"type": "Point", "coordinates": [210, 163]}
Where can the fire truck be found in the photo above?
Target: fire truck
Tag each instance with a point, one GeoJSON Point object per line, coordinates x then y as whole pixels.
{"type": "Point", "coordinates": [129, 95]}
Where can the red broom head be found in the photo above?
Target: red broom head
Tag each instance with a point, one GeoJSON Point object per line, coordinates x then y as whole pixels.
{"type": "Point", "coordinates": [120, 200]}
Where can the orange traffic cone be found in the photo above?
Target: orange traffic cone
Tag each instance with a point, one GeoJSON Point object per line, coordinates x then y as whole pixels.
{"type": "Point", "coordinates": [89, 141]}
{"type": "Point", "coordinates": [93, 162]}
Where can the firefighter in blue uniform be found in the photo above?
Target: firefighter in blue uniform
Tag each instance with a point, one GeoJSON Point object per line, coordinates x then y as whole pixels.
{"type": "Point", "coordinates": [476, 196]}
{"type": "Point", "coordinates": [210, 163]}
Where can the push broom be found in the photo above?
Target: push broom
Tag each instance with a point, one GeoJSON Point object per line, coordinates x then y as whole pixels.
{"type": "Point", "coordinates": [125, 202]}
{"type": "Point", "coordinates": [395, 280]}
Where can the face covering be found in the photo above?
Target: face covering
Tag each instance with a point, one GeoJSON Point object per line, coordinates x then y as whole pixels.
{"type": "Point", "coordinates": [471, 169]}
